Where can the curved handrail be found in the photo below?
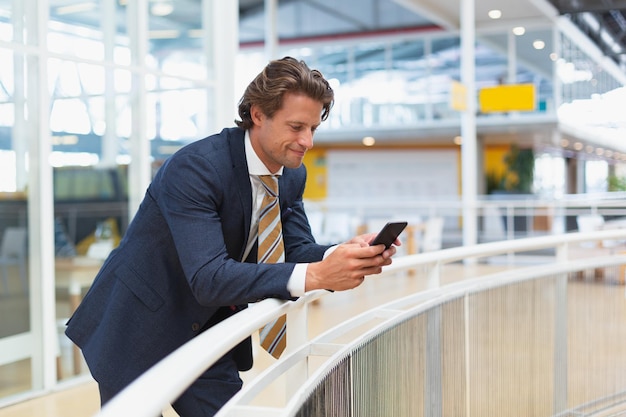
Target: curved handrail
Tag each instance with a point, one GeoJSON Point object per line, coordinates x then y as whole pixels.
{"type": "Point", "coordinates": [171, 376]}
{"type": "Point", "coordinates": [164, 382]}
{"type": "Point", "coordinates": [396, 312]}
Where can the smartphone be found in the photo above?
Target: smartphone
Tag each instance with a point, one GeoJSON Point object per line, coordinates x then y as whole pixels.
{"type": "Point", "coordinates": [388, 234]}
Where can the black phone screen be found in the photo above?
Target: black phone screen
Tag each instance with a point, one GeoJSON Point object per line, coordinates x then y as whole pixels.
{"type": "Point", "coordinates": [388, 234]}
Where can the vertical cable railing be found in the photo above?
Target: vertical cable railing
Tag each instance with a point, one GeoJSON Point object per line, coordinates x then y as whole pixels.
{"type": "Point", "coordinates": [509, 360]}
{"type": "Point", "coordinates": [537, 341]}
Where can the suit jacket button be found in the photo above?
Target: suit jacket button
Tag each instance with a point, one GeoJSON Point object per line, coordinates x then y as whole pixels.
{"type": "Point", "coordinates": [195, 327]}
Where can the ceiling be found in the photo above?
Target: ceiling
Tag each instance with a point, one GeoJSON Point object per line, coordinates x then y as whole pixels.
{"type": "Point", "coordinates": [307, 20]}
{"type": "Point", "coordinates": [603, 20]}
{"type": "Point", "coordinates": [311, 20]}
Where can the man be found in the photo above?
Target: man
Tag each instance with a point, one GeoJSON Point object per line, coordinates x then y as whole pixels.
{"type": "Point", "coordinates": [190, 252]}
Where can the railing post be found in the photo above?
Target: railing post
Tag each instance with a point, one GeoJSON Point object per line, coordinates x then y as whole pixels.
{"type": "Point", "coordinates": [434, 272]}
{"type": "Point", "coordinates": [560, 335]}
{"type": "Point", "coordinates": [560, 344]}
{"type": "Point", "coordinates": [510, 222]}
{"type": "Point", "coordinates": [433, 397]}
{"type": "Point", "coordinates": [297, 335]}
{"type": "Point", "coordinates": [466, 341]}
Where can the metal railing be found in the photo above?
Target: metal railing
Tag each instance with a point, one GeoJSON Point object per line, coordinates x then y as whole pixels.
{"type": "Point", "coordinates": [162, 384]}
{"type": "Point", "coordinates": [503, 217]}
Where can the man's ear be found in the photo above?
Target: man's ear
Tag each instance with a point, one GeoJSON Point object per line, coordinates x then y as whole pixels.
{"type": "Point", "coordinates": [256, 114]}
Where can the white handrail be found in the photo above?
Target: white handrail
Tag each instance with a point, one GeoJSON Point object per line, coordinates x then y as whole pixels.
{"type": "Point", "coordinates": [164, 382]}
{"type": "Point", "coordinates": [396, 312]}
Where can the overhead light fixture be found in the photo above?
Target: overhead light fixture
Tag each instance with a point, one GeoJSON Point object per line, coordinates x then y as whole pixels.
{"type": "Point", "coordinates": [369, 141]}
{"type": "Point", "coordinates": [458, 140]}
{"type": "Point", "coordinates": [75, 8]}
{"type": "Point", "coordinates": [164, 34]}
{"type": "Point", "coordinates": [519, 30]}
{"type": "Point", "coordinates": [162, 8]}
{"type": "Point", "coordinates": [539, 44]}
{"type": "Point", "coordinates": [195, 33]}
{"type": "Point", "coordinates": [495, 14]}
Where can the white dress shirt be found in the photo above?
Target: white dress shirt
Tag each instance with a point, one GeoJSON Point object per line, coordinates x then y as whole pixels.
{"type": "Point", "coordinates": [296, 283]}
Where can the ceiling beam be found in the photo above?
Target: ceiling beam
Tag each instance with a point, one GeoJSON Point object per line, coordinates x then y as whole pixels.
{"type": "Point", "coordinates": [433, 11]}
{"type": "Point", "coordinates": [581, 6]}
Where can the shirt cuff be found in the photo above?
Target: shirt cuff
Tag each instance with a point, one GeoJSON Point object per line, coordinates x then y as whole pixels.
{"type": "Point", "coordinates": [297, 280]}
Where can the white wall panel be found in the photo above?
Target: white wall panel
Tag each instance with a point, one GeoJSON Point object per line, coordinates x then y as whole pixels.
{"type": "Point", "coordinates": [392, 174]}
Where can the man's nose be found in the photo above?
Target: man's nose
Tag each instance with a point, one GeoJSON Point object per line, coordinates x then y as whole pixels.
{"type": "Point", "coordinates": [306, 140]}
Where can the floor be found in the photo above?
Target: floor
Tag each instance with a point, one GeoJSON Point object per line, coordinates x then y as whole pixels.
{"type": "Point", "coordinates": [81, 399]}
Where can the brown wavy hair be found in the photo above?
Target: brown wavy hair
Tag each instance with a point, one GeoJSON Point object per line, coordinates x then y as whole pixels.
{"type": "Point", "coordinates": [285, 75]}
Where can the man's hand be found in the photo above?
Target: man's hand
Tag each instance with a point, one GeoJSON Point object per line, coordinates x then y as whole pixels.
{"type": "Point", "coordinates": [346, 267]}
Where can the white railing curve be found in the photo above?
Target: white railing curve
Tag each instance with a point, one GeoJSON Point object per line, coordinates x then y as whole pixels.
{"type": "Point", "coordinates": [162, 384]}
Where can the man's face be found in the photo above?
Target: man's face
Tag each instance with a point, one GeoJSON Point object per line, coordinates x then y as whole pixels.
{"type": "Point", "coordinates": [284, 139]}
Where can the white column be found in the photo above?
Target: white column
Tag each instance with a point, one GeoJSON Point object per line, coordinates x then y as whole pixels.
{"type": "Point", "coordinates": [557, 88]}
{"type": "Point", "coordinates": [512, 58]}
{"type": "Point", "coordinates": [18, 144]}
{"type": "Point", "coordinates": [40, 201]}
{"type": "Point", "coordinates": [221, 43]}
{"type": "Point", "coordinates": [271, 32]}
{"type": "Point", "coordinates": [429, 111]}
{"type": "Point", "coordinates": [109, 139]}
{"type": "Point", "coordinates": [139, 172]}
{"type": "Point", "coordinates": [468, 123]}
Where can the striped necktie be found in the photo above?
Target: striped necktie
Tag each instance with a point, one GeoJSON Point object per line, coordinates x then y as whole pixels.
{"type": "Point", "coordinates": [273, 336]}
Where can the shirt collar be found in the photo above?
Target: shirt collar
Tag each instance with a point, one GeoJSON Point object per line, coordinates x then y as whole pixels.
{"type": "Point", "coordinates": [255, 165]}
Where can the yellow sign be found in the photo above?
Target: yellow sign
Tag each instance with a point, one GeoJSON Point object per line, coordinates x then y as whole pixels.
{"type": "Point", "coordinates": [505, 98]}
{"type": "Point", "coordinates": [458, 96]}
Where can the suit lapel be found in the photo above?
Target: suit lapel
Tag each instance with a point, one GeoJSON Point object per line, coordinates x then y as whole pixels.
{"type": "Point", "coordinates": [242, 177]}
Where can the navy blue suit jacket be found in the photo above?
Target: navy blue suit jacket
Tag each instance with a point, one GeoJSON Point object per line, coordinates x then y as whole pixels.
{"type": "Point", "coordinates": [181, 260]}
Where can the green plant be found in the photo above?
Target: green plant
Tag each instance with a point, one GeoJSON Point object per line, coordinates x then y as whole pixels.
{"type": "Point", "coordinates": [519, 175]}
{"type": "Point", "coordinates": [520, 169]}
{"type": "Point", "coordinates": [495, 182]}
{"type": "Point", "coordinates": [616, 183]}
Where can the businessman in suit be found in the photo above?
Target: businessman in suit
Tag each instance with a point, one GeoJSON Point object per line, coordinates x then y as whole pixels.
{"type": "Point", "coordinates": [189, 255]}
